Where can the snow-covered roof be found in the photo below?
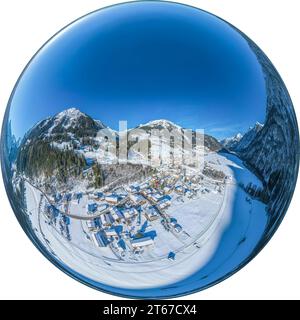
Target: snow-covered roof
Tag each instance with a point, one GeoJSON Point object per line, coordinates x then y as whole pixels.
{"type": "Point", "coordinates": [141, 242]}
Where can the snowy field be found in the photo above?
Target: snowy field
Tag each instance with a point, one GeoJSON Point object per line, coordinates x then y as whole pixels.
{"type": "Point", "coordinates": [211, 221]}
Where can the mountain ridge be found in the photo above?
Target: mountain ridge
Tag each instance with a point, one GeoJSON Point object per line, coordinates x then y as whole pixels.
{"type": "Point", "coordinates": [68, 143]}
{"type": "Point", "coordinates": [240, 142]}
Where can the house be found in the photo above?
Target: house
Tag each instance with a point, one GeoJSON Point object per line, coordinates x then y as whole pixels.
{"type": "Point", "coordinates": [173, 220]}
{"type": "Point", "coordinates": [144, 185]}
{"type": "Point", "coordinates": [52, 212]}
{"type": "Point", "coordinates": [129, 212]}
{"type": "Point", "coordinates": [137, 199]}
{"type": "Point", "coordinates": [99, 239]}
{"type": "Point", "coordinates": [89, 161]}
{"type": "Point", "coordinates": [142, 242]}
{"type": "Point", "coordinates": [91, 225]}
{"type": "Point", "coordinates": [97, 222]}
{"type": "Point", "coordinates": [78, 196]}
{"type": "Point", "coordinates": [99, 195]}
{"type": "Point", "coordinates": [57, 197]}
{"type": "Point", "coordinates": [68, 197]}
{"type": "Point", "coordinates": [164, 202]}
{"type": "Point", "coordinates": [205, 190]}
{"type": "Point", "coordinates": [177, 227]}
{"type": "Point", "coordinates": [66, 220]}
{"type": "Point", "coordinates": [154, 197]}
{"type": "Point", "coordinates": [92, 207]}
{"type": "Point", "coordinates": [112, 199]}
{"type": "Point", "coordinates": [188, 193]}
{"type": "Point", "coordinates": [109, 218]}
{"type": "Point", "coordinates": [116, 214]}
{"type": "Point", "coordinates": [167, 189]}
{"type": "Point", "coordinates": [179, 189]}
{"type": "Point", "coordinates": [171, 255]}
{"type": "Point", "coordinates": [152, 213]}
{"type": "Point", "coordinates": [105, 220]}
{"type": "Point", "coordinates": [111, 232]}
{"type": "Point", "coordinates": [146, 192]}
{"type": "Point", "coordinates": [121, 245]}
{"type": "Point", "coordinates": [134, 188]}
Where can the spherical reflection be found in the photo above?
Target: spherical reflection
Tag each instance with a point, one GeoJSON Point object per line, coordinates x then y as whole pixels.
{"type": "Point", "coordinates": [150, 149]}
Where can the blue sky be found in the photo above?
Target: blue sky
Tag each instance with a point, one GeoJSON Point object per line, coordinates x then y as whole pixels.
{"type": "Point", "coordinates": [141, 62]}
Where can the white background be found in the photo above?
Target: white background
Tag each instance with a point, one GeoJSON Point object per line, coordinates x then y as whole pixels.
{"type": "Point", "coordinates": [26, 25]}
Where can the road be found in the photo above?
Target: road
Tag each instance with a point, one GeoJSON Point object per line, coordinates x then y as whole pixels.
{"type": "Point", "coordinates": [68, 214]}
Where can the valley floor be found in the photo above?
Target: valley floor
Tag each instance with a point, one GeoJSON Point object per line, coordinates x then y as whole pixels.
{"type": "Point", "coordinates": [209, 228]}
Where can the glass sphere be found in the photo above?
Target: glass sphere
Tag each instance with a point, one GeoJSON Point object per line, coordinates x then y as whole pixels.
{"type": "Point", "coordinates": [150, 149]}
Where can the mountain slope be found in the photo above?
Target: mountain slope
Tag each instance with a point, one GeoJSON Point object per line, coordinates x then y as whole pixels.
{"type": "Point", "coordinates": [240, 142]}
{"type": "Point", "coordinates": [274, 153]}
{"type": "Point", "coordinates": [49, 149]}
{"type": "Point", "coordinates": [248, 138]}
{"type": "Point", "coordinates": [68, 146]}
{"type": "Point", "coordinates": [231, 143]}
{"type": "Point", "coordinates": [210, 142]}
{"type": "Point", "coordinates": [64, 125]}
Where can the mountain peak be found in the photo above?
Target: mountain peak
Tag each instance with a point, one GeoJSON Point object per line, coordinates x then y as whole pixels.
{"type": "Point", "coordinates": [232, 141]}
{"type": "Point", "coordinates": [258, 125]}
{"type": "Point", "coordinates": [160, 122]}
{"type": "Point", "coordinates": [70, 113]}
{"type": "Point", "coordinates": [238, 136]}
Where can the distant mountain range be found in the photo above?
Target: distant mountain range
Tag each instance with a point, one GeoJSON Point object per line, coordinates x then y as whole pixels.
{"type": "Point", "coordinates": [240, 142]}
{"type": "Point", "coordinates": [61, 145]}
{"type": "Point", "coordinates": [72, 124]}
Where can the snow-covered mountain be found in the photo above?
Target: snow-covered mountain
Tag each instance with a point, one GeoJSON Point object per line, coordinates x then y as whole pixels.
{"type": "Point", "coordinates": [274, 153]}
{"type": "Point", "coordinates": [12, 144]}
{"type": "Point", "coordinates": [231, 143]}
{"type": "Point", "coordinates": [248, 137]}
{"type": "Point", "coordinates": [210, 143]}
{"type": "Point", "coordinates": [68, 123]}
{"type": "Point", "coordinates": [69, 142]}
{"type": "Point", "coordinates": [160, 124]}
{"type": "Point", "coordinates": [240, 142]}
{"type": "Point", "coordinates": [50, 151]}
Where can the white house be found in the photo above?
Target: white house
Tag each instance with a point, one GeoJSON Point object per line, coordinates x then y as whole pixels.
{"type": "Point", "coordinates": [142, 242]}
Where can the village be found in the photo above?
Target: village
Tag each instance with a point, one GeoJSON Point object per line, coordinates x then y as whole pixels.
{"type": "Point", "coordinates": [140, 221]}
